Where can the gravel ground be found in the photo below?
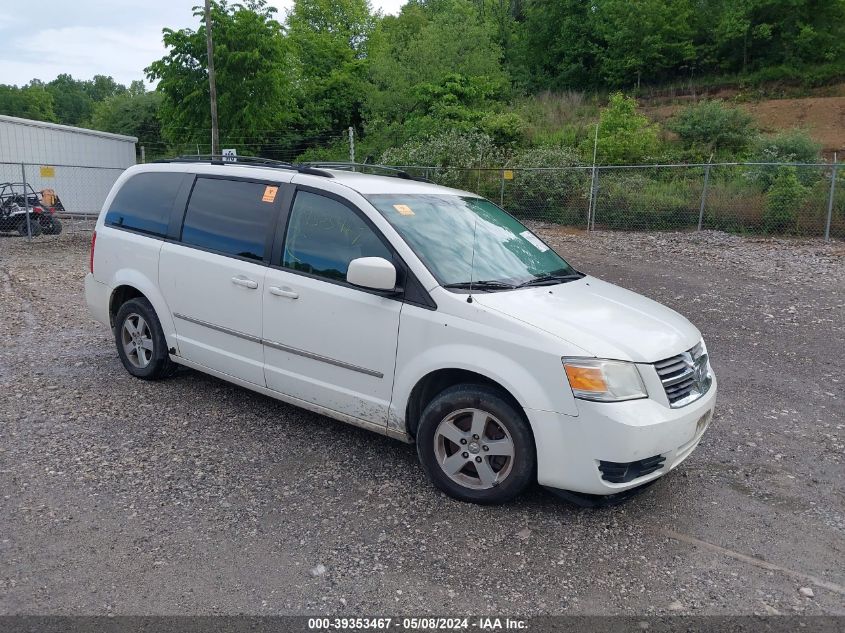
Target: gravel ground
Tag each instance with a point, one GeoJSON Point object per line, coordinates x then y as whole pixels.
{"type": "Point", "coordinates": [193, 496]}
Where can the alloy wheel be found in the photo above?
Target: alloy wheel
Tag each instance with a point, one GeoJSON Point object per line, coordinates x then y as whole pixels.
{"type": "Point", "coordinates": [474, 448]}
{"type": "Point", "coordinates": [137, 340]}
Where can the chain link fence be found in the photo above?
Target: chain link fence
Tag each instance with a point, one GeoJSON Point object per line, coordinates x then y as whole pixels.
{"type": "Point", "coordinates": [759, 198]}
{"type": "Point", "coordinates": [762, 198]}
{"type": "Point", "coordinates": [41, 200]}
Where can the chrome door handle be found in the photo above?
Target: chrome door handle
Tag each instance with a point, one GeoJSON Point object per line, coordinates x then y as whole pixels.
{"type": "Point", "coordinates": [246, 283]}
{"type": "Point", "coordinates": [283, 292]}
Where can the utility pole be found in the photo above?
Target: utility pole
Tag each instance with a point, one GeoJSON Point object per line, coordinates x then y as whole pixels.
{"type": "Point", "coordinates": [212, 85]}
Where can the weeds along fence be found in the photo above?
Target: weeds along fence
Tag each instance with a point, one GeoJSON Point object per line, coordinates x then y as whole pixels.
{"type": "Point", "coordinates": [60, 199]}
{"type": "Point", "coordinates": [761, 198]}
{"type": "Point", "coordinates": [766, 198]}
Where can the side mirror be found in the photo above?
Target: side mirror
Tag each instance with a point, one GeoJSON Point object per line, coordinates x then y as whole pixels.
{"type": "Point", "coordinates": [372, 272]}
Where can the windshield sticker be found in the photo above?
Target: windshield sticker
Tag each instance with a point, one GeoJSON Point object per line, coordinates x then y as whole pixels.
{"type": "Point", "coordinates": [535, 242]}
{"type": "Point", "coordinates": [269, 194]}
{"type": "Point", "coordinates": [403, 209]}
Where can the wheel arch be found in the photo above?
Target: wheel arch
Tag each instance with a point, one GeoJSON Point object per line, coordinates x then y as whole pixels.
{"type": "Point", "coordinates": [435, 382]}
{"type": "Point", "coordinates": [121, 295]}
{"type": "Point", "coordinates": [130, 284]}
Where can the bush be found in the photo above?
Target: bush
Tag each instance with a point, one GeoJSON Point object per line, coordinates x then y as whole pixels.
{"type": "Point", "coordinates": [635, 201]}
{"type": "Point", "coordinates": [625, 136]}
{"type": "Point", "coordinates": [783, 201]}
{"type": "Point", "coordinates": [450, 154]}
{"type": "Point", "coordinates": [733, 203]}
{"type": "Point", "coordinates": [790, 146]}
{"type": "Point", "coordinates": [337, 152]}
{"type": "Point", "coordinates": [506, 129]}
{"type": "Point", "coordinates": [557, 195]}
{"type": "Point", "coordinates": [709, 127]}
{"type": "Point", "coordinates": [570, 135]}
{"type": "Point", "coordinates": [559, 119]}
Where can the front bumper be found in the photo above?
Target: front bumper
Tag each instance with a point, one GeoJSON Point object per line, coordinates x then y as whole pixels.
{"type": "Point", "coordinates": [570, 449]}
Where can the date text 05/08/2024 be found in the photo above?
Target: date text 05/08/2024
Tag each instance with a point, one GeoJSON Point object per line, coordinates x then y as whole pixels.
{"type": "Point", "coordinates": [416, 624]}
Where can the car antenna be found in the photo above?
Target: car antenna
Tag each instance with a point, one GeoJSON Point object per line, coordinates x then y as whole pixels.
{"type": "Point", "coordinates": [472, 260]}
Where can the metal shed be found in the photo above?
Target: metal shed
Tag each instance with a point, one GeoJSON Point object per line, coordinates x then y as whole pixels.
{"type": "Point", "coordinates": [80, 165]}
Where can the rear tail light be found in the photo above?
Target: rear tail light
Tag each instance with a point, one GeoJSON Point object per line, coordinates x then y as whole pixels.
{"type": "Point", "coordinates": [93, 243]}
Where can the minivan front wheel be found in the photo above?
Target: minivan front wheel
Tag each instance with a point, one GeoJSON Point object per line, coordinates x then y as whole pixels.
{"type": "Point", "coordinates": [140, 341]}
{"type": "Point", "coordinates": [475, 445]}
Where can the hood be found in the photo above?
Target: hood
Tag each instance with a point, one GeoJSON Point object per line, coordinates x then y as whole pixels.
{"type": "Point", "coordinates": [604, 320]}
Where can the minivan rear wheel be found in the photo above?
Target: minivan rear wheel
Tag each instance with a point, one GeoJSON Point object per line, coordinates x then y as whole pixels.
{"type": "Point", "coordinates": [140, 341]}
{"type": "Point", "coordinates": [475, 445]}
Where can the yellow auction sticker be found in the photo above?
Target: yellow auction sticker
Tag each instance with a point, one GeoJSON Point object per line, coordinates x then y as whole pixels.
{"type": "Point", "coordinates": [403, 209]}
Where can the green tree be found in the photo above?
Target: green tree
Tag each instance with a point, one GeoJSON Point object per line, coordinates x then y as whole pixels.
{"type": "Point", "coordinates": [101, 87]}
{"type": "Point", "coordinates": [329, 40]}
{"type": "Point", "coordinates": [558, 44]}
{"type": "Point", "coordinates": [591, 43]}
{"type": "Point", "coordinates": [28, 102]}
{"type": "Point", "coordinates": [133, 114]}
{"type": "Point", "coordinates": [412, 54]}
{"type": "Point", "coordinates": [754, 34]}
{"type": "Point", "coordinates": [576, 43]}
{"type": "Point", "coordinates": [624, 136]}
{"type": "Point", "coordinates": [453, 102]}
{"type": "Point", "coordinates": [251, 63]}
{"type": "Point", "coordinates": [643, 40]}
{"type": "Point", "coordinates": [72, 103]}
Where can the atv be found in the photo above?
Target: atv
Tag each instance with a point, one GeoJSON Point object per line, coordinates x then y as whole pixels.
{"type": "Point", "coordinates": [40, 217]}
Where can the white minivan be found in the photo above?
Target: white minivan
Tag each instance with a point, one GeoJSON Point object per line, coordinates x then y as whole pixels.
{"type": "Point", "coordinates": [421, 312]}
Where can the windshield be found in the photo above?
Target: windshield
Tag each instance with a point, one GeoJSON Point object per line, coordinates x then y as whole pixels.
{"type": "Point", "coordinates": [440, 230]}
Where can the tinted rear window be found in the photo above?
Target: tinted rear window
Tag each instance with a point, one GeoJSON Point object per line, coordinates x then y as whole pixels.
{"type": "Point", "coordinates": [144, 203]}
{"type": "Point", "coordinates": [230, 216]}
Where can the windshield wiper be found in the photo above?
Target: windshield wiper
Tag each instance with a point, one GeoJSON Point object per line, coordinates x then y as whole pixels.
{"type": "Point", "coordinates": [481, 285]}
{"type": "Point", "coordinates": [547, 280]}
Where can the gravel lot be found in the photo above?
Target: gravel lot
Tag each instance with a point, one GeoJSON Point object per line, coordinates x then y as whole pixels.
{"type": "Point", "coordinates": [194, 496]}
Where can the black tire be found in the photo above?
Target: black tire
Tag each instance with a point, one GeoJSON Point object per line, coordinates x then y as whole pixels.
{"type": "Point", "coordinates": [53, 226]}
{"type": "Point", "coordinates": [34, 227]}
{"type": "Point", "coordinates": [431, 447]}
{"type": "Point", "coordinates": [158, 364]}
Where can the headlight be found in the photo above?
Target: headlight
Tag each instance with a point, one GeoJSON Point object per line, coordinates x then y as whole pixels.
{"type": "Point", "coordinates": [604, 380]}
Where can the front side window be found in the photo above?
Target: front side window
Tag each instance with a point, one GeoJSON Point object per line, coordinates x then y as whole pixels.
{"type": "Point", "coordinates": [462, 239]}
{"type": "Point", "coordinates": [144, 203]}
{"type": "Point", "coordinates": [324, 235]}
{"type": "Point", "coordinates": [232, 217]}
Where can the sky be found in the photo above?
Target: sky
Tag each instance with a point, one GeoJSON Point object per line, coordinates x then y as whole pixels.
{"type": "Point", "coordinates": [42, 38]}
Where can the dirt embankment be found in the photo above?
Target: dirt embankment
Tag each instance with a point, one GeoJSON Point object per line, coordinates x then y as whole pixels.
{"type": "Point", "coordinates": [822, 116]}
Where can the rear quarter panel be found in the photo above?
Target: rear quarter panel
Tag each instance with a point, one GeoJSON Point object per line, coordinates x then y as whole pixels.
{"type": "Point", "coordinates": [125, 258]}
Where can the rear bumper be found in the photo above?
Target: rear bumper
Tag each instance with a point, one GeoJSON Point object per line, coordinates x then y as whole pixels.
{"type": "Point", "coordinates": [97, 296]}
{"type": "Point", "coordinates": [571, 449]}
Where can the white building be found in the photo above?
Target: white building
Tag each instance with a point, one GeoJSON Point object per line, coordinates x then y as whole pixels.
{"type": "Point", "coordinates": [79, 165]}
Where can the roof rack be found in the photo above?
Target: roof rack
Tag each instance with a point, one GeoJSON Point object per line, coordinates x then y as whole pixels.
{"type": "Point", "coordinates": [391, 171]}
{"type": "Point", "coordinates": [219, 159]}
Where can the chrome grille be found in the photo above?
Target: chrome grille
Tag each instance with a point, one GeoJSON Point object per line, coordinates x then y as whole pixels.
{"type": "Point", "coordinates": [685, 377]}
